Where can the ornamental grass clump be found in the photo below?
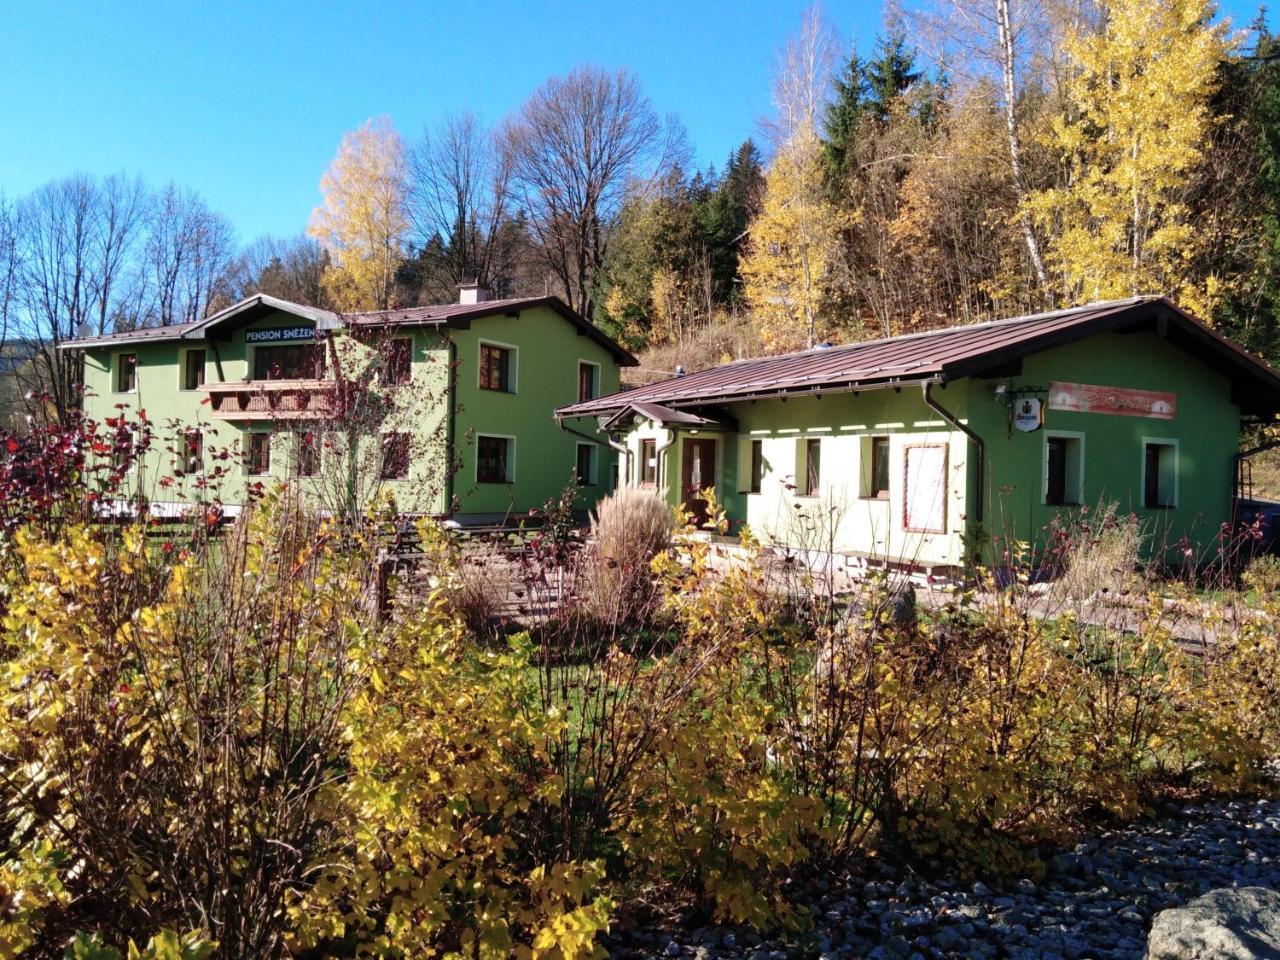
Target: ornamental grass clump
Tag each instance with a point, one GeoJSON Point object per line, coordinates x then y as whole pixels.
{"type": "Point", "coordinates": [628, 529]}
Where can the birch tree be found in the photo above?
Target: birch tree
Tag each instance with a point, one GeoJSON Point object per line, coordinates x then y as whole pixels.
{"type": "Point", "coordinates": [792, 247]}
{"type": "Point", "coordinates": [1135, 130]}
{"type": "Point", "coordinates": [363, 222]}
{"type": "Point", "coordinates": [1000, 40]}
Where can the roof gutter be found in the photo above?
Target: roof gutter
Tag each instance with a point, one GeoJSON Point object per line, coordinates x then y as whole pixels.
{"type": "Point", "coordinates": [782, 394]}
{"type": "Point", "coordinates": [980, 448]}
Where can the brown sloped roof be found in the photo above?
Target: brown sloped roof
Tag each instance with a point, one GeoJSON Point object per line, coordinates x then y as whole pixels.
{"type": "Point", "coordinates": [665, 415]}
{"type": "Point", "coordinates": [173, 331]}
{"type": "Point", "coordinates": [948, 354]}
{"type": "Point", "coordinates": [460, 314]}
{"type": "Point", "coordinates": [449, 314]}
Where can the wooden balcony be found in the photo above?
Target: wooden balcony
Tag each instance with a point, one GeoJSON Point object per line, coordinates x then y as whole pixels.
{"type": "Point", "coordinates": [272, 400]}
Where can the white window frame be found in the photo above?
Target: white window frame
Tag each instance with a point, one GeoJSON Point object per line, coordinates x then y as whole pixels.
{"type": "Point", "coordinates": [115, 371]}
{"type": "Point", "coordinates": [298, 442]}
{"type": "Point", "coordinates": [802, 468]}
{"type": "Point", "coordinates": [513, 373]}
{"type": "Point", "coordinates": [1177, 471]}
{"type": "Point", "coordinates": [1044, 466]}
{"type": "Point", "coordinates": [248, 460]}
{"type": "Point", "coordinates": [589, 481]}
{"type": "Point", "coordinates": [640, 464]}
{"type": "Point", "coordinates": [590, 363]}
{"type": "Point", "coordinates": [511, 459]}
{"type": "Point", "coordinates": [746, 447]}
{"type": "Point", "coordinates": [182, 368]}
{"type": "Point", "coordinates": [182, 457]}
{"type": "Point", "coordinates": [866, 466]}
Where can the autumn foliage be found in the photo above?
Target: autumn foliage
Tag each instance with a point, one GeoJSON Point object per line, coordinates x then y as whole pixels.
{"type": "Point", "coordinates": [229, 747]}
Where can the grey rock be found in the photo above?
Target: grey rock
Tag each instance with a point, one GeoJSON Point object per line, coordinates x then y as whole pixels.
{"type": "Point", "coordinates": [1226, 924]}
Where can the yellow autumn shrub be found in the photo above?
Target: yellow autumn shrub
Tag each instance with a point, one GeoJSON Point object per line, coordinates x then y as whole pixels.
{"type": "Point", "coordinates": [235, 751]}
{"type": "Point", "coordinates": [233, 744]}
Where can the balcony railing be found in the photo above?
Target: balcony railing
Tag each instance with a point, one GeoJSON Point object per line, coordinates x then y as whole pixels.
{"type": "Point", "coordinates": [272, 399]}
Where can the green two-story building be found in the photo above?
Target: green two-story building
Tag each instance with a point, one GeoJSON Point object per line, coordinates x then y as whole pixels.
{"type": "Point", "coordinates": [921, 451]}
{"type": "Point", "coordinates": [442, 410]}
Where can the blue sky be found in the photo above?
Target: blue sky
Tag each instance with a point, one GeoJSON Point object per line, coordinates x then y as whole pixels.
{"type": "Point", "coordinates": [246, 102]}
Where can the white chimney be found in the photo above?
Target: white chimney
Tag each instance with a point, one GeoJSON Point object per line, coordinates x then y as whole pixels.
{"type": "Point", "coordinates": [473, 293]}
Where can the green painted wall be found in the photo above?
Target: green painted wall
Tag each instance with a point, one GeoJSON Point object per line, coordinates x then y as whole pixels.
{"type": "Point", "coordinates": [1206, 428]}
{"type": "Point", "coordinates": [548, 351]}
{"type": "Point", "coordinates": [839, 518]}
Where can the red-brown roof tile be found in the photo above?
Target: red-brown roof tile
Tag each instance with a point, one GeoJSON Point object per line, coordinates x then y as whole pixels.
{"type": "Point", "coordinates": [942, 355]}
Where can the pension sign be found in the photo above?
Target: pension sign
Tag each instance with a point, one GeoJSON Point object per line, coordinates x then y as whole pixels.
{"type": "Point", "coordinates": [278, 334]}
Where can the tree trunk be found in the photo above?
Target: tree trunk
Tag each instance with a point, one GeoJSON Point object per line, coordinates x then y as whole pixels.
{"type": "Point", "coordinates": [1007, 67]}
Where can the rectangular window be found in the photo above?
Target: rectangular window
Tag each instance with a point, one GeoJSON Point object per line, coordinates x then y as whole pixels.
{"type": "Point", "coordinates": [878, 475]}
{"type": "Point", "coordinates": [297, 361]}
{"type": "Point", "coordinates": [395, 456]}
{"type": "Point", "coordinates": [192, 452]}
{"type": "Point", "coordinates": [258, 454]}
{"type": "Point", "coordinates": [495, 368]}
{"type": "Point", "coordinates": [585, 469]}
{"type": "Point", "coordinates": [1159, 474]}
{"type": "Point", "coordinates": [587, 381]}
{"type": "Point", "coordinates": [307, 461]}
{"type": "Point", "coordinates": [126, 372]}
{"type": "Point", "coordinates": [398, 363]}
{"type": "Point", "coordinates": [193, 370]}
{"type": "Point", "coordinates": [649, 462]}
{"type": "Point", "coordinates": [757, 466]}
{"type": "Point", "coordinates": [1063, 469]}
{"type": "Point", "coordinates": [812, 468]}
{"type": "Point", "coordinates": [493, 459]}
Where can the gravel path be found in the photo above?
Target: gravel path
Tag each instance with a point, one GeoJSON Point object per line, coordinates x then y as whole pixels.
{"type": "Point", "coordinates": [1095, 902]}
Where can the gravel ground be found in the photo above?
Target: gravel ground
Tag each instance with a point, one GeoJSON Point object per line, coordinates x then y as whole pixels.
{"type": "Point", "coordinates": [1096, 901]}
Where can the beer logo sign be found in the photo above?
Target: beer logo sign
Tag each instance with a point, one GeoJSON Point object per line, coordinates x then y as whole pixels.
{"type": "Point", "coordinates": [1028, 415]}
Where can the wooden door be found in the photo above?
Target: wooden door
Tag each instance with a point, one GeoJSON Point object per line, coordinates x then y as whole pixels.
{"type": "Point", "coordinates": [698, 471]}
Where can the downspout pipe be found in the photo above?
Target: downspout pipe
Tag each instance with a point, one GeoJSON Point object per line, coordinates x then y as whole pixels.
{"type": "Point", "coordinates": [451, 428]}
{"type": "Point", "coordinates": [658, 456]}
{"type": "Point", "coordinates": [980, 448]}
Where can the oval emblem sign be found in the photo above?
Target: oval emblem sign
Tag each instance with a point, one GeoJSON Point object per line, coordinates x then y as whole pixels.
{"type": "Point", "coordinates": [1028, 415]}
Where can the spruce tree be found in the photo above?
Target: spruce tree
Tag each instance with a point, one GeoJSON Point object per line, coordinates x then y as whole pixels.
{"type": "Point", "coordinates": [890, 74]}
{"type": "Point", "coordinates": [844, 113]}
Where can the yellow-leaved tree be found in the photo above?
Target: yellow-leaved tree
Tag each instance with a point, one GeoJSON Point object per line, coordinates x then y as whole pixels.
{"type": "Point", "coordinates": [364, 220]}
{"type": "Point", "coordinates": [793, 245]}
{"type": "Point", "coordinates": [1133, 133]}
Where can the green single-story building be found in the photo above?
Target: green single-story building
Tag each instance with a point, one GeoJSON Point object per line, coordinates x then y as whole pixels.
{"type": "Point", "coordinates": [448, 410]}
{"type": "Point", "coordinates": [920, 451]}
